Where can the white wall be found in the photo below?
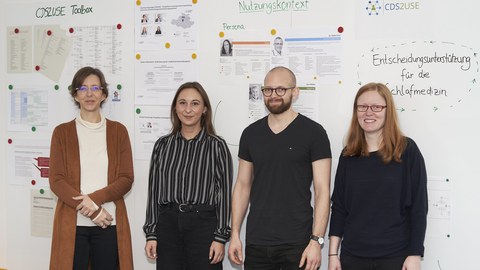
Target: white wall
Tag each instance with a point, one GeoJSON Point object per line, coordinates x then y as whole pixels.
{"type": "Point", "coordinates": [3, 123]}
{"type": "Point", "coordinates": [447, 137]}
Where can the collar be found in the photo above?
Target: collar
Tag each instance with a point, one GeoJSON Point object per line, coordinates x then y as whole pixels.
{"type": "Point", "coordinates": [91, 125]}
{"type": "Point", "coordinates": [200, 136]}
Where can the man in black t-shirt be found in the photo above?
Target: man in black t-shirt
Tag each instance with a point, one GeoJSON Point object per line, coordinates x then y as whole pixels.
{"type": "Point", "coordinates": [280, 156]}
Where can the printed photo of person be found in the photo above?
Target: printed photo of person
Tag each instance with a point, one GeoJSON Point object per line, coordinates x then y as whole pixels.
{"type": "Point", "coordinates": [158, 31]}
{"type": "Point", "coordinates": [277, 46]}
{"type": "Point", "coordinates": [255, 92]}
{"type": "Point", "coordinates": [144, 31]}
{"type": "Point", "coordinates": [158, 18]}
{"type": "Point", "coordinates": [144, 18]}
{"type": "Point", "coordinates": [227, 48]}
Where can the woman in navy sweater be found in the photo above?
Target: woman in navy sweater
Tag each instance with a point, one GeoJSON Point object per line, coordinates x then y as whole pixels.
{"type": "Point", "coordinates": [379, 202]}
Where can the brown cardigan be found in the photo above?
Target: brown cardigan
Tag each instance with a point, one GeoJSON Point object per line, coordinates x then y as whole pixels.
{"type": "Point", "coordinates": [65, 183]}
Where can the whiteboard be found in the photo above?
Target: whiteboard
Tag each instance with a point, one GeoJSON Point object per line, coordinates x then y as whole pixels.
{"type": "Point", "coordinates": [426, 50]}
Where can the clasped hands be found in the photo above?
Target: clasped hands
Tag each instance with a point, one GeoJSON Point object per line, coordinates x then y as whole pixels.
{"type": "Point", "coordinates": [87, 207]}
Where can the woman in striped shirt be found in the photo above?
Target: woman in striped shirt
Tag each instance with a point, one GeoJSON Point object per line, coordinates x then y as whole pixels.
{"type": "Point", "coordinates": [189, 193]}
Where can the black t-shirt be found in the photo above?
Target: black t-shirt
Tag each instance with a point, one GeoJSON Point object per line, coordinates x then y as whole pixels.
{"type": "Point", "coordinates": [280, 198]}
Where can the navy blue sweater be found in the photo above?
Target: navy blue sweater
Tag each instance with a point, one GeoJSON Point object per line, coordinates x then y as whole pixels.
{"type": "Point", "coordinates": [379, 209]}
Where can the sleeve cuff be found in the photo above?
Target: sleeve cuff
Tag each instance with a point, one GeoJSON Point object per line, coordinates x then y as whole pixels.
{"type": "Point", "coordinates": [97, 213]}
{"type": "Point", "coordinates": [151, 237]}
{"type": "Point", "coordinates": [96, 206]}
{"type": "Point", "coordinates": [221, 238]}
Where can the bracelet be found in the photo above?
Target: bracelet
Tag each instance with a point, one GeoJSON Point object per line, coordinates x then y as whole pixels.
{"type": "Point", "coordinates": [330, 255]}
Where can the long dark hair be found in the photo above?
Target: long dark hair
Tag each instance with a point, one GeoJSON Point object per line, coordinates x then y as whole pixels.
{"type": "Point", "coordinates": [229, 47]}
{"type": "Point", "coordinates": [206, 121]}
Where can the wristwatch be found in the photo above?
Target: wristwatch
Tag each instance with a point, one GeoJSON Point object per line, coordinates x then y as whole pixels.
{"type": "Point", "coordinates": [319, 239]}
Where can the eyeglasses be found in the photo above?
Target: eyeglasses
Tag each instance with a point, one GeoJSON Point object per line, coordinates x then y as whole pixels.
{"type": "Point", "coordinates": [374, 108]}
{"type": "Point", "coordinates": [93, 88]}
{"type": "Point", "coordinates": [280, 91]}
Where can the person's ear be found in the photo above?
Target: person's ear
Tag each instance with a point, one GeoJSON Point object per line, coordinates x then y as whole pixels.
{"type": "Point", "coordinates": [295, 92]}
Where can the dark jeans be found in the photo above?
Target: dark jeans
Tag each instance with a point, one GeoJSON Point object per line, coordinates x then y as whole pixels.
{"type": "Point", "coordinates": [357, 263]}
{"type": "Point", "coordinates": [279, 257]}
{"type": "Point", "coordinates": [184, 239]}
{"type": "Point", "coordinates": [97, 245]}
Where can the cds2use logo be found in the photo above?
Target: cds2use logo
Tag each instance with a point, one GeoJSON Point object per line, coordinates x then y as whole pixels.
{"type": "Point", "coordinates": [380, 7]}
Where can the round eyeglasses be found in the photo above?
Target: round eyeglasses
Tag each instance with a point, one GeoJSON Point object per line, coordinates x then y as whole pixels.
{"type": "Point", "coordinates": [280, 91]}
{"type": "Point", "coordinates": [374, 108]}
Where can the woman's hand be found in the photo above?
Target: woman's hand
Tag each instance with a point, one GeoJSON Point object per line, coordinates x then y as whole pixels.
{"type": "Point", "coordinates": [217, 251]}
{"type": "Point", "coordinates": [334, 263]}
{"type": "Point", "coordinates": [104, 219]}
{"type": "Point", "coordinates": [151, 249]}
{"type": "Point", "coordinates": [87, 207]}
{"type": "Point", "coordinates": [411, 263]}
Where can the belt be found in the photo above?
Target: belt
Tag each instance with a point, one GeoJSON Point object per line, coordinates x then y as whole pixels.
{"type": "Point", "coordinates": [187, 207]}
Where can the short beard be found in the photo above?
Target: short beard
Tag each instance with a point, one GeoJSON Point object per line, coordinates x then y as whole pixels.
{"type": "Point", "coordinates": [286, 104]}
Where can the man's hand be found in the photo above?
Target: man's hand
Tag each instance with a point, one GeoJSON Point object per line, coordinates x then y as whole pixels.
{"type": "Point", "coordinates": [312, 256]}
{"type": "Point", "coordinates": [235, 251]}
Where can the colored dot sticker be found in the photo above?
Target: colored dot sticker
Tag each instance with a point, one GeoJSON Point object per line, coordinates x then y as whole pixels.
{"type": "Point", "coordinates": [34, 129]}
{"type": "Point", "coordinates": [194, 1]}
{"type": "Point", "coordinates": [56, 87]}
{"type": "Point", "coordinates": [138, 111]}
{"type": "Point", "coordinates": [71, 30]}
{"type": "Point", "coordinates": [37, 68]}
{"type": "Point", "coordinates": [9, 141]}
{"type": "Point", "coordinates": [16, 30]}
{"type": "Point", "coordinates": [119, 86]}
{"type": "Point", "coordinates": [194, 56]}
{"type": "Point", "coordinates": [42, 191]}
{"type": "Point", "coordinates": [33, 182]}
{"type": "Point", "coordinates": [340, 29]}
{"type": "Point", "coordinates": [339, 82]}
{"type": "Point", "coordinates": [138, 2]}
{"type": "Point", "coordinates": [273, 32]}
{"type": "Point", "coordinates": [138, 56]}
{"type": "Point", "coordinates": [167, 45]}
{"type": "Point", "coordinates": [49, 33]}
{"type": "Point", "coordinates": [10, 87]}
{"type": "Point", "coordinates": [221, 34]}
{"type": "Point", "coordinates": [119, 26]}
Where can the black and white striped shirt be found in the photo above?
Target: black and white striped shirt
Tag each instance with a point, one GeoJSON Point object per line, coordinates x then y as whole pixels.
{"type": "Point", "coordinates": [196, 171]}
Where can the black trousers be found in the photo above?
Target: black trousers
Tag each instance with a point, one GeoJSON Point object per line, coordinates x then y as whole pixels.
{"type": "Point", "coordinates": [278, 257]}
{"type": "Point", "coordinates": [97, 245]}
{"type": "Point", "coordinates": [184, 239]}
{"type": "Point", "coordinates": [357, 263]}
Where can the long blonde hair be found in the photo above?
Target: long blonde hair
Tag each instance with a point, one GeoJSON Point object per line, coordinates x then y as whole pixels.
{"type": "Point", "coordinates": [393, 142]}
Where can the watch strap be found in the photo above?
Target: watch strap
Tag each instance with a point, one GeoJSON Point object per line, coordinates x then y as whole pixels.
{"type": "Point", "coordinates": [319, 239]}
